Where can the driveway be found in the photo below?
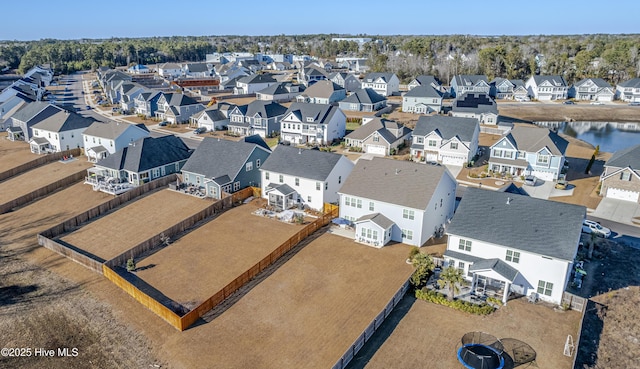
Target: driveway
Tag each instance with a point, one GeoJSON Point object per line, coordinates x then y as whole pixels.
{"type": "Point", "coordinates": [542, 189]}
{"type": "Point", "coordinates": [617, 210]}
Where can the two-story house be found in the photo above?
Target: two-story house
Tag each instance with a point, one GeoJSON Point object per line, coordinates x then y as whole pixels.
{"type": "Point", "coordinates": [258, 117]}
{"type": "Point", "coordinates": [296, 177]}
{"type": "Point", "coordinates": [59, 132]}
{"type": "Point", "coordinates": [508, 244]}
{"type": "Point", "coordinates": [474, 83]}
{"type": "Point", "coordinates": [478, 106]}
{"type": "Point", "coordinates": [423, 99]}
{"type": "Point", "coordinates": [318, 124]}
{"type": "Point", "coordinates": [146, 103]}
{"type": "Point", "coordinates": [364, 99]}
{"type": "Point", "coordinates": [322, 92]}
{"type": "Point", "coordinates": [378, 136]}
{"type": "Point", "coordinates": [629, 91]}
{"type": "Point", "coordinates": [128, 93]}
{"type": "Point", "coordinates": [593, 89]}
{"type": "Point", "coordinates": [425, 80]}
{"type": "Point", "coordinates": [545, 88]}
{"type": "Point", "coordinates": [446, 140]}
{"type": "Point", "coordinates": [309, 75]}
{"type": "Point", "coordinates": [385, 84]}
{"type": "Point", "coordinates": [502, 88]}
{"type": "Point", "coordinates": [29, 115]}
{"type": "Point", "coordinates": [177, 108]}
{"type": "Point", "coordinates": [170, 70]}
{"type": "Point", "coordinates": [253, 83]}
{"type": "Point", "coordinates": [621, 176]}
{"type": "Point", "coordinates": [103, 139]}
{"type": "Point", "coordinates": [280, 92]}
{"type": "Point", "coordinates": [348, 81]}
{"type": "Point", "coordinates": [223, 166]}
{"type": "Point", "coordinates": [529, 150]}
{"type": "Point", "coordinates": [211, 119]}
{"type": "Point", "coordinates": [395, 200]}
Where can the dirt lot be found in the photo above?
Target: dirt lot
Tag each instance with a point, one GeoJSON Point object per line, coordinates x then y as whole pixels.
{"type": "Point", "coordinates": [39, 177]}
{"type": "Point", "coordinates": [205, 260]}
{"type": "Point", "coordinates": [428, 335]}
{"type": "Point", "coordinates": [580, 112]}
{"type": "Point", "coordinates": [13, 153]}
{"type": "Point", "coordinates": [117, 232]}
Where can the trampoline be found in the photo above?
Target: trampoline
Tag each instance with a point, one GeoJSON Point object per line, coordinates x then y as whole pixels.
{"type": "Point", "coordinates": [481, 351]}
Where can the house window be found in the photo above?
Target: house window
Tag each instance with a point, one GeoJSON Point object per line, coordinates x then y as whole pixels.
{"type": "Point", "coordinates": [281, 178]}
{"type": "Point", "coordinates": [318, 186]}
{"type": "Point", "coordinates": [376, 138]}
{"type": "Point", "coordinates": [407, 214]}
{"type": "Point", "coordinates": [347, 201]}
{"type": "Point", "coordinates": [543, 160]}
{"type": "Point", "coordinates": [371, 206]}
{"type": "Point", "coordinates": [111, 143]}
{"type": "Point", "coordinates": [407, 234]}
{"type": "Point", "coordinates": [545, 288]}
{"type": "Point", "coordinates": [197, 180]}
{"type": "Point", "coordinates": [625, 176]}
{"type": "Point", "coordinates": [339, 179]}
{"type": "Point", "coordinates": [358, 203]}
{"type": "Point", "coordinates": [464, 245]}
{"type": "Point", "coordinates": [461, 266]}
{"type": "Point", "coordinates": [326, 186]}
{"type": "Point", "coordinates": [297, 181]}
{"type": "Point", "coordinates": [257, 163]}
{"type": "Point", "coordinates": [266, 175]}
{"type": "Point", "coordinates": [86, 139]}
{"type": "Point", "coordinates": [432, 143]}
{"type": "Point", "coordinates": [249, 166]}
{"type": "Point", "coordinates": [419, 140]}
{"type": "Point", "coordinates": [236, 186]}
{"type": "Point", "coordinates": [512, 256]}
{"type": "Point", "coordinates": [497, 153]}
{"type": "Point", "coordinates": [308, 198]}
{"type": "Point", "coordinates": [453, 146]}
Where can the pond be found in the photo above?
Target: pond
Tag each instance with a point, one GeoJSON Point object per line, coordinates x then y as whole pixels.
{"type": "Point", "coordinates": [611, 136]}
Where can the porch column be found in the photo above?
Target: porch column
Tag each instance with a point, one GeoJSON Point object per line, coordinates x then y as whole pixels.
{"type": "Point", "coordinates": [505, 294]}
{"type": "Point", "coordinates": [474, 281]}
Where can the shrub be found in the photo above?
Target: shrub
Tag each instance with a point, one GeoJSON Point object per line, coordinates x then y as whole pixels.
{"type": "Point", "coordinates": [438, 298]}
{"type": "Point", "coordinates": [494, 300]}
{"type": "Point", "coordinates": [131, 265]}
{"type": "Point", "coordinates": [413, 252]}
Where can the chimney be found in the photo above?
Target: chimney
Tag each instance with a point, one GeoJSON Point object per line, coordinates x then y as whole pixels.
{"type": "Point", "coordinates": [508, 200]}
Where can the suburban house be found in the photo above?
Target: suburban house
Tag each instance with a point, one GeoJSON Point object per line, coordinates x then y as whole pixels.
{"type": "Point", "coordinates": [138, 69]}
{"type": "Point", "coordinates": [103, 139]}
{"type": "Point", "coordinates": [424, 80]}
{"type": "Point", "coordinates": [30, 114]}
{"type": "Point", "coordinates": [621, 177]}
{"type": "Point", "coordinates": [128, 93]}
{"type": "Point", "coordinates": [529, 150]}
{"type": "Point", "coordinates": [252, 84]}
{"type": "Point", "coordinates": [364, 99]}
{"type": "Point", "coordinates": [422, 99]}
{"type": "Point", "coordinates": [170, 70]}
{"type": "Point", "coordinates": [280, 92]}
{"type": "Point", "coordinates": [629, 91]}
{"type": "Point", "coordinates": [378, 136]}
{"type": "Point", "coordinates": [59, 132]}
{"type": "Point", "coordinates": [322, 92]}
{"type": "Point", "coordinates": [211, 119]}
{"type": "Point", "coordinates": [197, 70]}
{"type": "Point", "coordinates": [177, 108]}
{"type": "Point", "coordinates": [474, 83]}
{"type": "Point", "coordinates": [593, 89]}
{"type": "Point", "coordinates": [348, 81]}
{"type": "Point", "coordinates": [218, 166]}
{"type": "Point", "coordinates": [385, 84]}
{"type": "Point", "coordinates": [401, 201]}
{"type": "Point", "coordinates": [296, 177]}
{"type": "Point", "coordinates": [11, 106]}
{"type": "Point", "coordinates": [319, 124]}
{"type": "Point", "coordinates": [520, 92]}
{"type": "Point", "coordinates": [547, 88]}
{"type": "Point", "coordinates": [506, 243]}
{"type": "Point", "coordinates": [258, 117]}
{"type": "Point", "coordinates": [146, 103]}
{"type": "Point", "coordinates": [446, 140]}
{"type": "Point", "coordinates": [137, 163]}
{"type": "Point", "coordinates": [502, 88]}
{"type": "Point", "coordinates": [310, 75]}
{"type": "Point", "coordinates": [478, 106]}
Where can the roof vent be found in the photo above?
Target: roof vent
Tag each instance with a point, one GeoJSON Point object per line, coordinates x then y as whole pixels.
{"type": "Point", "coordinates": [508, 200]}
{"type": "Point", "coordinates": [397, 171]}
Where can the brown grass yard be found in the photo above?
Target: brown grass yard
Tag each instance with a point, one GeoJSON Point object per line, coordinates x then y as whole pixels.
{"type": "Point", "coordinates": [13, 153]}
{"type": "Point", "coordinates": [196, 266]}
{"type": "Point", "coordinates": [39, 177]}
{"type": "Point", "coordinates": [579, 112]}
{"type": "Point", "coordinates": [117, 232]}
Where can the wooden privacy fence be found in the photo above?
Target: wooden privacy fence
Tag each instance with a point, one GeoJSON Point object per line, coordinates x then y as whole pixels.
{"type": "Point", "coordinates": [94, 263]}
{"type": "Point", "coordinates": [40, 161]}
{"type": "Point", "coordinates": [42, 191]}
{"type": "Point", "coordinates": [574, 302]}
{"type": "Point", "coordinates": [371, 328]}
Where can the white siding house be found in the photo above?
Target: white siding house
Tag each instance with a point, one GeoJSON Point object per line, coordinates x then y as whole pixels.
{"type": "Point", "coordinates": [313, 123]}
{"type": "Point", "coordinates": [385, 84]}
{"type": "Point", "coordinates": [547, 88]}
{"type": "Point", "coordinates": [59, 132]}
{"type": "Point", "coordinates": [445, 140]}
{"type": "Point", "coordinates": [103, 139]}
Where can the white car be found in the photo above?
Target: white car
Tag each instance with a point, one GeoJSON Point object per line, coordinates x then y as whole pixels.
{"type": "Point", "coordinates": [589, 226]}
{"type": "Point", "coordinates": [597, 103]}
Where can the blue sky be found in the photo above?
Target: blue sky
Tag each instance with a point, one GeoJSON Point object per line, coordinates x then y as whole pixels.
{"type": "Point", "coordinates": [67, 19]}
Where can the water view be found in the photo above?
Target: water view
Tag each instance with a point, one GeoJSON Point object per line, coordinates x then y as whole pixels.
{"type": "Point", "coordinates": [611, 136]}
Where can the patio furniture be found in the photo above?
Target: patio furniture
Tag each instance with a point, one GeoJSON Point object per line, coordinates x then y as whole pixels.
{"type": "Point", "coordinates": [533, 298]}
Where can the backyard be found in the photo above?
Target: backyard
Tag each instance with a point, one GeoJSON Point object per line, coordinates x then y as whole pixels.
{"type": "Point", "coordinates": [13, 153]}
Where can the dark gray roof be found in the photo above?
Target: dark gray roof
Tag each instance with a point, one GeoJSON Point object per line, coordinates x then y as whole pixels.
{"type": "Point", "coordinates": [311, 164]}
{"type": "Point", "coordinates": [423, 91]}
{"type": "Point", "coordinates": [371, 77]}
{"type": "Point", "coordinates": [381, 126]}
{"type": "Point", "coordinates": [275, 89]}
{"type": "Point", "coordinates": [470, 79]}
{"type": "Point", "coordinates": [266, 109]}
{"type": "Point", "coordinates": [283, 188]}
{"type": "Point", "coordinates": [378, 219]}
{"type": "Point", "coordinates": [629, 157]}
{"type": "Point", "coordinates": [512, 188]}
{"type": "Point", "coordinates": [14, 129]}
{"type": "Point", "coordinates": [176, 99]}
{"type": "Point", "coordinates": [557, 81]}
{"type": "Point", "coordinates": [364, 96]}
{"type": "Point", "coordinates": [424, 80]}
{"type": "Point", "coordinates": [599, 82]}
{"type": "Point", "coordinates": [110, 130]}
{"type": "Point", "coordinates": [532, 139]}
{"type": "Point", "coordinates": [474, 102]}
{"type": "Point", "coordinates": [257, 78]}
{"type": "Point", "coordinates": [398, 182]}
{"type": "Point", "coordinates": [215, 158]}
{"type": "Point", "coordinates": [39, 140]}
{"type": "Point", "coordinates": [32, 109]}
{"type": "Point", "coordinates": [462, 256]}
{"type": "Point", "coordinates": [498, 266]}
{"type": "Point", "coordinates": [214, 114]}
{"type": "Point", "coordinates": [64, 121]}
{"type": "Point", "coordinates": [147, 153]}
{"type": "Point", "coordinates": [538, 226]}
{"type": "Point", "coordinates": [447, 127]}
{"type": "Point", "coordinates": [634, 83]}
{"type": "Point", "coordinates": [197, 67]}
{"type": "Point", "coordinates": [321, 113]}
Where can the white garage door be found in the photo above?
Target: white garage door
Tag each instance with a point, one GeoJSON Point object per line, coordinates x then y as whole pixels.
{"type": "Point", "coordinates": [545, 176]}
{"type": "Point", "coordinates": [616, 193]}
{"type": "Point", "coordinates": [376, 149]}
{"type": "Point", "coordinates": [453, 160]}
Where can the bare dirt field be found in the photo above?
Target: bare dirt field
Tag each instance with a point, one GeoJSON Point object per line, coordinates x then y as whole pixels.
{"type": "Point", "coordinates": [117, 232]}
{"type": "Point", "coordinates": [13, 153]}
{"type": "Point", "coordinates": [428, 335]}
{"type": "Point", "coordinates": [552, 112]}
{"type": "Point", "coordinates": [39, 177]}
{"type": "Point", "coordinates": [196, 266]}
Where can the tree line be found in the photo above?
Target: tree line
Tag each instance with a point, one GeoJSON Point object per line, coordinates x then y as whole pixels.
{"type": "Point", "coordinates": [612, 57]}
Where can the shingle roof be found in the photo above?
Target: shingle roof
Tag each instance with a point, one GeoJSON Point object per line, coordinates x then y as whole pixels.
{"type": "Point", "coordinates": [64, 121]}
{"type": "Point", "coordinates": [392, 181]}
{"type": "Point", "coordinates": [275, 89]}
{"type": "Point", "coordinates": [215, 158]}
{"type": "Point", "coordinates": [629, 157]}
{"type": "Point", "coordinates": [447, 127]}
{"type": "Point", "coordinates": [381, 126]}
{"type": "Point", "coordinates": [378, 219]}
{"type": "Point", "coordinates": [311, 164]}
{"type": "Point", "coordinates": [599, 82]}
{"type": "Point", "coordinates": [371, 77]}
{"type": "Point", "coordinates": [423, 91]}
{"type": "Point", "coordinates": [532, 139]}
{"type": "Point", "coordinates": [554, 80]}
{"type": "Point", "coordinates": [321, 113]}
{"type": "Point", "coordinates": [634, 83]}
{"type": "Point", "coordinates": [257, 78]}
{"type": "Point", "coordinates": [424, 80]}
{"type": "Point", "coordinates": [198, 67]}
{"type": "Point", "coordinates": [32, 109]}
{"type": "Point", "coordinates": [176, 99]}
{"type": "Point", "coordinates": [474, 102]}
{"type": "Point", "coordinates": [364, 96]}
{"type": "Point", "coordinates": [469, 79]}
{"type": "Point", "coordinates": [147, 153]}
{"type": "Point", "coordinates": [266, 109]}
{"type": "Point", "coordinates": [538, 226]}
{"type": "Point", "coordinates": [498, 266]}
{"type": "Point", "coordinates": [214, 114]}
{"type": "Point", "coordinates": [323, 89]}
{"type": "Point", "coordinates": [110, 130]}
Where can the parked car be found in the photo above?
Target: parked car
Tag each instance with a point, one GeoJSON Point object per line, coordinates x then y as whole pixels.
{"type": "Point", "coordinates": [634, 103]}
{"type": "Point", "coordinates": [522, 98]}
{"type": "Point", "coordinates": [163, 124]}
{"type": "Point", "coordinates": [569, 102]}
{"type": "Point", "coordinates": [530, 180]}
{"type": "Point", "coordinates": [589, 226]}
{"type": "Point", "coordinates": [562, 184]}
{"type": "Point", "coordinates": [597, 103]}
{"type": "Point", "coordinates": [199, 130]}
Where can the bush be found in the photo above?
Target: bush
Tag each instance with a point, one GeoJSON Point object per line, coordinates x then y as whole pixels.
{"type": "Point", "coordinates": [494, 300]}
{"type": "Point", "coordinates": [131, 265]}
{"type": "Point", "coordinates": [438, 298]}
